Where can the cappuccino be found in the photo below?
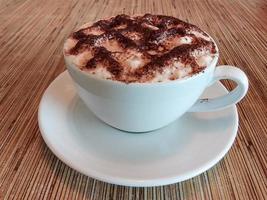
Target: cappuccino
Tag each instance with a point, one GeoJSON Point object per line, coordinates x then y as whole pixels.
{"type": "Point", "coordinates": [140, 49]}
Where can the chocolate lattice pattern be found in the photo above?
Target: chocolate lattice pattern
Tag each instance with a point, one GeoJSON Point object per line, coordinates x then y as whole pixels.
{"type": "Point", "coordinates": [137, 49]}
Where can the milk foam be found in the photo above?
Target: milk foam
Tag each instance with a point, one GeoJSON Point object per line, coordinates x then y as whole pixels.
{"type": "Point", "coordinates": [132, 59]}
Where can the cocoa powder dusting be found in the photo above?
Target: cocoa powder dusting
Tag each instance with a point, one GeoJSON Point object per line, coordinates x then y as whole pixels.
{"type": "Point", "coordinates": [154, 31]}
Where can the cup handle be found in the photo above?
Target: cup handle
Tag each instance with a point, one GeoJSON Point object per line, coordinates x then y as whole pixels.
{"type": "Point", "coordinates": [221, 73]}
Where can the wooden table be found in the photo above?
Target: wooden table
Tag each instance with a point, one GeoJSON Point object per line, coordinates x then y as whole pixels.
{"type": "Point", "coordinates": [31, 38]}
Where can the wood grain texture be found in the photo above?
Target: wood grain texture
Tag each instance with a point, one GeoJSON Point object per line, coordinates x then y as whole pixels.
{"type": "Point", "coordinates": [32, 33]}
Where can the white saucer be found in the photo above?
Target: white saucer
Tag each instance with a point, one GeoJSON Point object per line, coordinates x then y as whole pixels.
{"type": "Point", "coordinates": [182, 150]}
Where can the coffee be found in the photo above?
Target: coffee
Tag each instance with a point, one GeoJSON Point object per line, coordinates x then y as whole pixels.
{"type": "Point", "coordinates": [142, 49]}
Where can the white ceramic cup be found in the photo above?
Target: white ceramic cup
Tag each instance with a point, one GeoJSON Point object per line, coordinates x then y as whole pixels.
{"type": "Point", "coordinates": [141, 107]}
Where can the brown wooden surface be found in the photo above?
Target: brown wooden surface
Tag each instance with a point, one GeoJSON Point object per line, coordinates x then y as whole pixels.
{"type": "Point", "coordinates": [32, 33]}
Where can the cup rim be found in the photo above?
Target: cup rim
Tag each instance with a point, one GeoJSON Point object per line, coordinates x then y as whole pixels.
{"type": "Point", "coordinates": [115, 82]}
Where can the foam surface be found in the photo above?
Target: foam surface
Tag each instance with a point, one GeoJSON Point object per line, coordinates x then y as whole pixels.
{"type": "Point", "coordinates": [149, 48]}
